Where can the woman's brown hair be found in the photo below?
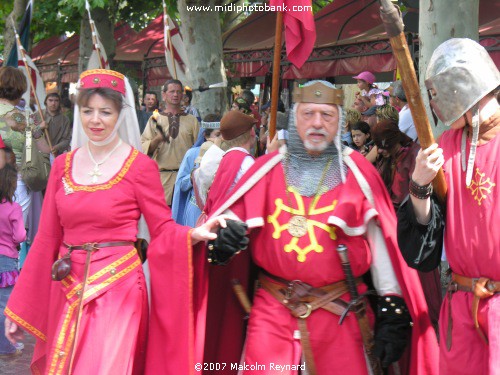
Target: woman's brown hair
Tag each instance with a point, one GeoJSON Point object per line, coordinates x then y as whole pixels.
{"type": "Point", "coordinates": [12, 83]}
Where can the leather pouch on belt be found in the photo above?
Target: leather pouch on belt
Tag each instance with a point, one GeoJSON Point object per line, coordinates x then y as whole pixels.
{"type": "Point", "coordinates": [61, 268]}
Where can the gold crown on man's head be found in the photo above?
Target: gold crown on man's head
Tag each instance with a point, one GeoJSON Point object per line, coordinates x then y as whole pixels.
{"type": "Point", "coordinates": [317, 93]}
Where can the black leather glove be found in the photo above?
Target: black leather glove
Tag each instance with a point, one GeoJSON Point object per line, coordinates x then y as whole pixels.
{"type": "Point", "coordinates": [230, 241]}
{"type": "Point", "coordinates": [392, 329]}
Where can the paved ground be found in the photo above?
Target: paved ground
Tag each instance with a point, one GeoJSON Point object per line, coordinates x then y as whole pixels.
{"type": "Point", "coordinates": [19, 365]}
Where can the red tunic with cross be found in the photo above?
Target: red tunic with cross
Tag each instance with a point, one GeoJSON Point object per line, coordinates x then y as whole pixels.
{"type": "Point", "coordinates": [472, 244]}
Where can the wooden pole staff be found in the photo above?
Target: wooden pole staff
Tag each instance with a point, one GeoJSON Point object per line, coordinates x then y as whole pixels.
{"type": "Point", "coordinates": [276, 75]}
{"type": "Point", "coordinates": [393, 22]}
{"type": "Point", "coordinates": [33, 88]}
{"type": "Point", "coordinates": [168, 44]}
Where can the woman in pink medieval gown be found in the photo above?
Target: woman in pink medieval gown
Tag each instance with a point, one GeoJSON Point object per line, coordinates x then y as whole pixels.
{"type": "Point", "coordinates": [90, 316]}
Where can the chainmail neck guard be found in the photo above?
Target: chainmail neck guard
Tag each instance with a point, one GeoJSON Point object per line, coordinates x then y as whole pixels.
{"type": "Point", "coordinates": [303, 172]}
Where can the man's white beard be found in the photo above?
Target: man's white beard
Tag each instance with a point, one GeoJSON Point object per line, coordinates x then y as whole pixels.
{"type": "Point", "coordinates": [316, 147]}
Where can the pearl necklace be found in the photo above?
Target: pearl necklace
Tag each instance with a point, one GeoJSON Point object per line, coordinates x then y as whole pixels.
{"type": "Point", "coordinates": [96, 172]}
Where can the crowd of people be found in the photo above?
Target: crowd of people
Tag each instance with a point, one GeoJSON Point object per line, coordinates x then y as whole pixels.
{"type": "Point", "coordinates": [314, 252]}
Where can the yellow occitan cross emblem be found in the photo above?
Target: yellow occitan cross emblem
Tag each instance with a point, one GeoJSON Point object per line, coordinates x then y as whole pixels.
{"type": "Point", "coordinates": [311, 223]}
{"type": "Point", "coordinates": [480, 187]}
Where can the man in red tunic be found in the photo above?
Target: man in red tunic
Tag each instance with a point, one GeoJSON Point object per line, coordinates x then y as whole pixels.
{"type": "Point", "coordinates": [463, 81]}
{"type": "Point", "coordinates": [224, 344]}
{"type": "Point", "coordinates": [300, 204]}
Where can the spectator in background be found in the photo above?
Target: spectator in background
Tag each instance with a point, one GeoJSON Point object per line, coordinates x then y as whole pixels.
{"type": "Point", "coordinates": [150, 102]}
{"type": "Point", "coordinates": [58, 124]}
{"type": "Point", "coordinates": [396, 158]}
{"type": "Point", "coordinates": [281, 126]}
{"type": "Point", "coordinates": [13, 127]}
{"type": "Point", "coordinates": [186, 102]}
{"type": "Point", "coordinates": [250, 99]}
{"type": "Point", "coordinates": [370, 94]}
{"type": "Point", "coordinates": [387, 112]}
{"type": "Point", "coordinates": [406, 124]}
{"type": "Point", "coordinates": [184, 208]}
{"type": "Point", "coordinates": [169, 134]}
{"type": "Point", "coordinates": [67, 109]}
{"type": "Point", "coordinates": [12, 233]}
{"type": "Point", "coordinates": [351, 117]}
{"type": "Point", "coordinates": [361, 137]}
{"type": "Point", "coordinates": [370, 116]}
{"type": "Point", "coordinates": [241, 105]}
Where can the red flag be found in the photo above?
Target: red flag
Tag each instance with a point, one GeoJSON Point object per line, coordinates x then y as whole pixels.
{"type": "Point", "coordinates": [300, 30]}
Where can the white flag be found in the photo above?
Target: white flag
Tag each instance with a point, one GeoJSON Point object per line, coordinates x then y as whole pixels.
{"type": "Point", "coordinates": [35, 76]}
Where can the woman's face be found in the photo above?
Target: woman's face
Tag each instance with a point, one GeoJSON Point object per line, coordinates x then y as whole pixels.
{"type": "Point", "coordinates": [99, 117]}
{"type": "Point", "coordinates": [359, 138]}
{"type": "Point", "coordinates": [214, 135]}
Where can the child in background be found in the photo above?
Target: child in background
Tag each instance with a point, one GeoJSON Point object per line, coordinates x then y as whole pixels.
{"type": "Point", "coordinates": [370, 94]}
{"type": "Point", "coordinates": [361, 138]}
{"type": "Point", "coordinates": [12, 233]}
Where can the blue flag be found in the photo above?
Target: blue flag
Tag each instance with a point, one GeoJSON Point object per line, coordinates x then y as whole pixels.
{"type": "Point", "coordinates": [24, 35]}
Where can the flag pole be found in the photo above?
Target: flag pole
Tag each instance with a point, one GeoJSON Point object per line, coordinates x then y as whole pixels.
{"type": "Point", "coordinates": [94, 35]}
{"type": "Point", "coordinates": [168, 44]}
{"type": "Point", "coordinates": [276, 74]}
{"type": "Point", "coordinates": [33, 88]}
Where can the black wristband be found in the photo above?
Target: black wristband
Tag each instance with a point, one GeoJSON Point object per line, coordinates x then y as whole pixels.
{"type": "Point", "coordinates": [419, 191]}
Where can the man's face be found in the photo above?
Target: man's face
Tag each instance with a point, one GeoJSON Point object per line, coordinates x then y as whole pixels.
{"type": "Point", "coordinates": [317, 125]}
{"type": "Point", "coordinates": [358, 105]}
{"type": "Point", "coordinates": [150, 102]}
{"type": "Point", "coordinates": [173, 95]}
{"type": "Point", "coordinates": [53, 104]}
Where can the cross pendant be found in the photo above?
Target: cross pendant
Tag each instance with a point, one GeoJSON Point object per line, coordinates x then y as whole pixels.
{"type": "Point", "coordinates": [95, 173]}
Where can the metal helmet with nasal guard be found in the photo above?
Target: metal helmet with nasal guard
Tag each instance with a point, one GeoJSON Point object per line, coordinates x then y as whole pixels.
{"type": "Point", "coordinates": [459, 74]}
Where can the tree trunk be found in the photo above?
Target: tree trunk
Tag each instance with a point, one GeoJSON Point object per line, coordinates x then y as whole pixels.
{"type": "Point", "coordinates": [9, 38]}
{"type": "Point", "coordinates": [105, 26]}
{"type": "Point", "coordinates": [439, 21]}
{"type": "Point", "coordinates": [104, 21]}
{"type": "Point", "coordinates": [85, 43]}
{"type": "Point", "coordinates": [201, 34]}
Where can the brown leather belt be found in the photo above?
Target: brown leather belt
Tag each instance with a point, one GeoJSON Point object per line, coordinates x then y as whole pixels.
{"type": "Point", "coordinates": [90, 246]}
{"type": "Point", "coordinates": [302, 299]}
{"type": "Point", "coordinates": [482, 287]}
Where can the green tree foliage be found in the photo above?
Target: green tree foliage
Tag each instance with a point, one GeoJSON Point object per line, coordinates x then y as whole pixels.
{"type": "Point", "coordinates": [57, 17]}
